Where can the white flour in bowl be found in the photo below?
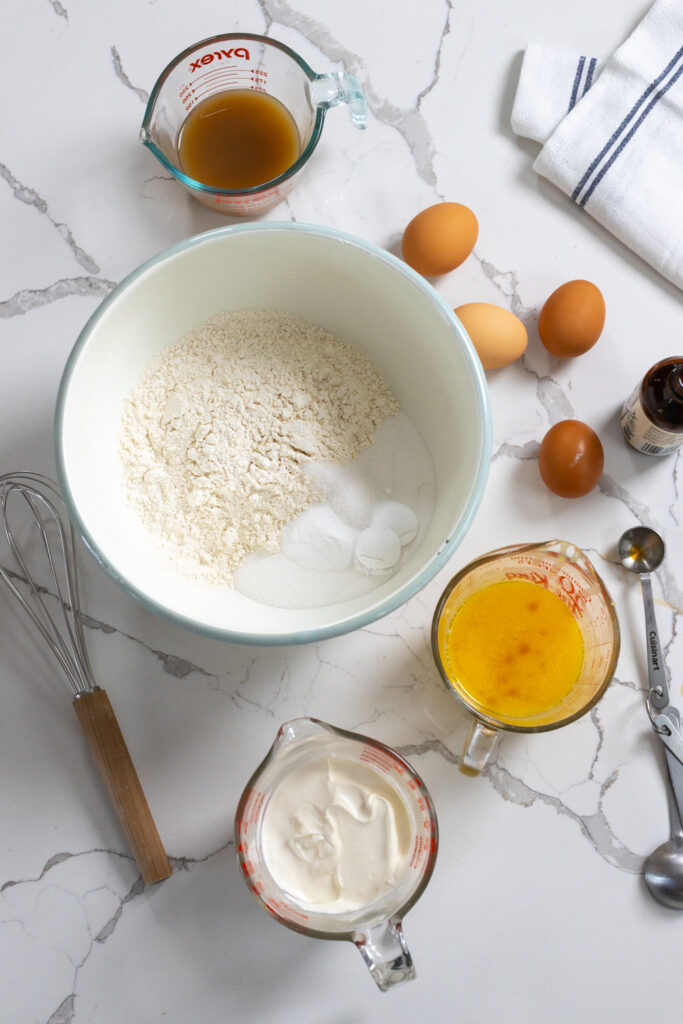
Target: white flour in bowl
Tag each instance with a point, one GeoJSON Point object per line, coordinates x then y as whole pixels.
{"type": "Point", "coordinates": [217, 432]}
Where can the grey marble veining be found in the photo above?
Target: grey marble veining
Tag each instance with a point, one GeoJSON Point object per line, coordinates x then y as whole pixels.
{"type": "Point", "coordinates": [536, 910]}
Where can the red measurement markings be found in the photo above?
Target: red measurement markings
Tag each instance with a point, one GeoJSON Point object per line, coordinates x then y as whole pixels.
{"type": "Point", "coordinates": [380, 760]}
{"type": "Point", "coordinates": [419, 850]}
{"type": "Point", "coordinates": [229, 73]}
{"type": "Point", "coordinates": [241, 202]}
{"type": "Point", "coordinates": [289, 911]}
{"type": "Point", "coordinates": [570, 592]}
{"type": "Point", "coordinates": [218, 82]}
{"type": "Point", "coordinates": [245, 201]}
{"type": "Point", "coordinates": [251, 74]}
{"type": "Point", "coordinates": [243, 822]}
{"type": "Point", "coordinates": [533, 577]}
{"type": "Point", "coordinates": [235, 81]}
{"type": "Point", "coordinates": [251, 811]}
{"type": "Point", "coordinates": [283, 909]}
{"type": "Point", "coordinates": [227, 69]}
{"type": "Point", "coordinates": [574, 596]}
{"type": "Point", "coordinates": [190, 93]}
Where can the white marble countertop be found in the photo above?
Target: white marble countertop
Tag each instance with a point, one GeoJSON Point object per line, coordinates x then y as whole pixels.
{"type": "Point", "coordinates": [536, 910]}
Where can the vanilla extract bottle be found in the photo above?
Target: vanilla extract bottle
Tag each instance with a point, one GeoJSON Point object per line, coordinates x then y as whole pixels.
{"type": "Point", "coordinates": [652, 417]}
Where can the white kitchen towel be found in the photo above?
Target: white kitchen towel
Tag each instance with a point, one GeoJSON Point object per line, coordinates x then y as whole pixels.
{"type": "Point", "coordinates": [550, 85]}
{"type": "Point", "coordinates": [618, 149]}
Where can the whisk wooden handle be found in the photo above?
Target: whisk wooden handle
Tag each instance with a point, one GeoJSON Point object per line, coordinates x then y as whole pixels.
{"type": "Point", "coordinates": [101, 729]}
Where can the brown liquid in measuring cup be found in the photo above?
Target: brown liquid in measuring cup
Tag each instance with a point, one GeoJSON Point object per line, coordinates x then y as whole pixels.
{"type": "Point", "coordinates": [237, 139]}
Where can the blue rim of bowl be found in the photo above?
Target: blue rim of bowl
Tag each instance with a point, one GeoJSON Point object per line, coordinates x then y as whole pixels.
{"type": "Point", "coordinates": [253, 190]}
{"type": "Point", "coordinates": [374, 612]}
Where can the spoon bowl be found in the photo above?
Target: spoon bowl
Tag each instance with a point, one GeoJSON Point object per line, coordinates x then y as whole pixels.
{"type": "Point", "coordinates": [663, 873]}
{"type": "Point", "coordinates": [641, 549]}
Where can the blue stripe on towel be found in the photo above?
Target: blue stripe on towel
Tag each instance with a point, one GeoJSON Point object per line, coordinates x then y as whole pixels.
{"type": "Point", "coordinates": [589, 76]}
{"type": "Point", "coordinates": [653, 102]}
{"type": "Point", "coordinates": [577, 79]}
{"type": "Point", "coordinates": [626, 121]}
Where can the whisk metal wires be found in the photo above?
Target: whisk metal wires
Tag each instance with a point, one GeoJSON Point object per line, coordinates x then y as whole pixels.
{"type": "Point", "coordinates": [54, 608]}
{"type": "Point", "coordinates": [39, 495]}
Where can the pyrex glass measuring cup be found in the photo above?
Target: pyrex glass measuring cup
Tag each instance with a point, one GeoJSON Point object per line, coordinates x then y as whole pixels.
{"type": "Point", "coordinates": [376, 927]}
{"type": "Point", "coordinates": [565, 571]}
{"type": "Point", "coordinates": [240, 60]}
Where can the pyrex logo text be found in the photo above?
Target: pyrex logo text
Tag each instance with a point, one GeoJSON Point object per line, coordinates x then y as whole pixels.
{"type": "Point", "coordinates": [239, 51]}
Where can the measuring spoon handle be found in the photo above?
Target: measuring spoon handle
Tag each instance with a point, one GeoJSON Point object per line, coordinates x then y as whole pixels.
{"type": "Point", "coordinates": [658, 695]}
{"type": "Point", "coordinates": [675, 772]}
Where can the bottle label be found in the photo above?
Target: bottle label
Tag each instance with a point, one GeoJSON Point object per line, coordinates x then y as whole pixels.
{"type": "Point", "coordinates": [642, 434]}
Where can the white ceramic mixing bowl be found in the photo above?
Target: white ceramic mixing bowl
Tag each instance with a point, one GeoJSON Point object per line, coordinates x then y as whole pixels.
{"type": "Point", "coordinates": [356, 291]}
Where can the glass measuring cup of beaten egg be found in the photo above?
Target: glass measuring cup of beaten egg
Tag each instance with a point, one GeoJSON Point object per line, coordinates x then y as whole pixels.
{"type": "Point", "coordinates": [376, 927]}
{"type": "Point", "coordinates": [559, 568]}
{"type": "Point", "coordinates": [243, 61]}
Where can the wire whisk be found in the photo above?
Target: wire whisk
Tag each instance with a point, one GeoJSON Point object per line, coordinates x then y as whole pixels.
{"type": "Point", "coordinates": [54, 608]}
{"type": "Point", "coordinates": [39, 494]}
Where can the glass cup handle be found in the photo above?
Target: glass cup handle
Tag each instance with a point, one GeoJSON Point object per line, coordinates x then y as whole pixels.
{"type": "Point", "coordinates": [340, 87]}
{"type": "Point", "coordinates": [385, 953]}
{"type": "Point", "coordinates": [479, 743]}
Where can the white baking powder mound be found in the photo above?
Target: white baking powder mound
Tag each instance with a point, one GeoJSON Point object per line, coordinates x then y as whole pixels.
{"type": "Point", "coordinates": [372, 513]}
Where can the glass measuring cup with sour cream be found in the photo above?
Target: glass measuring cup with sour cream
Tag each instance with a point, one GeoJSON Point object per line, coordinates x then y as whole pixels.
{"type": "Point", "coordinates": [337, 838]}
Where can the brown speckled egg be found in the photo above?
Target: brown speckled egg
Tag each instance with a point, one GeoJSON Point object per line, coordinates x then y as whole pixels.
{"type": "Point", "coordinates": [571, 459]}
{"type": "Point", "coordinates": [440, 238]}
{"type": "Point", "coordinates": [572, 319]}
{"type": "Point", "coordinates": [497, 334]}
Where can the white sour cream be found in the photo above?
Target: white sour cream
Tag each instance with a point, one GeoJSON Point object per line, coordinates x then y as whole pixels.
{"type": "Point", "coordinates": [336, 835]}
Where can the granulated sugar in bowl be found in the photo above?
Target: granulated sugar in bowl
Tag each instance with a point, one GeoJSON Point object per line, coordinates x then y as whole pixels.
{"type": "Point", "coordinates": [367, 531]}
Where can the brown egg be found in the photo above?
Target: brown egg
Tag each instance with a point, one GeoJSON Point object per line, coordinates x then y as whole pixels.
{"type": "Point", "coordinates": [572, 319]}
{"type": "Point", "coordinates": [438, 240]}
{"type": "Point", "coordinates": [497, 334]}
{"type": "Point", "coordinates": [571, 459]}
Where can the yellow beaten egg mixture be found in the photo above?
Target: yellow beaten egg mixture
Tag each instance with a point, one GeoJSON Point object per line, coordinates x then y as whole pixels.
{"type": "Point", "coordinates": [514, 649]}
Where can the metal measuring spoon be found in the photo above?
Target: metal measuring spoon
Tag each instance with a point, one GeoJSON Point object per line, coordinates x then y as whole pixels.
{"type": "Point", "coordinates": [663, 872]}
{"type": "Point", "coordinates": [641, 550]}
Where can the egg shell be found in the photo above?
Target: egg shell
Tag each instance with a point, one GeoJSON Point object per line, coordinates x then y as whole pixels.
{"type": "Point", "coordinates": [497, 334]}
{"type": "Point", "coordinates": [571, 459]}
{"type": "Point", "coordinates": [572, 319]}
{"type": "Point", "coordinates": [439, 238]}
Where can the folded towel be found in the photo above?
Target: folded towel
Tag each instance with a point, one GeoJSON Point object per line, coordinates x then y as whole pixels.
{"type": "Point", "coordinates": [550, 85]}
{"type": "Point", "coordinates": [614, 134]}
